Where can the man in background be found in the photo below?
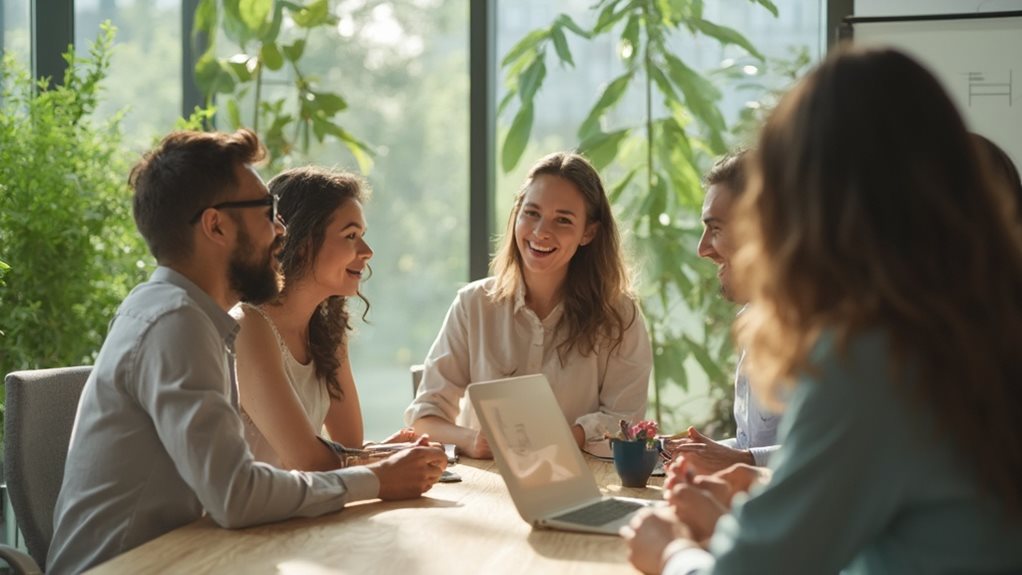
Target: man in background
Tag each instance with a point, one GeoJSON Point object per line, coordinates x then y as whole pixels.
{"type": "Point", "coordinates": [756, 438]}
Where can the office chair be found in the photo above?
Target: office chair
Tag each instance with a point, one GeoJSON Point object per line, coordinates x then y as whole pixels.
{"type": "Point", "coordinates": [40, 413]}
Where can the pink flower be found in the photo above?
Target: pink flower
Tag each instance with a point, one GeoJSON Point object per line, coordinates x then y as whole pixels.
{"type": "Point", "coordinates": [644, 430]}
{"type": "Point", "coordinates": [641, 431]}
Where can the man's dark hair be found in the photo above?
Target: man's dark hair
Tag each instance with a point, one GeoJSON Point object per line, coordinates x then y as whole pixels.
{"type": "Point", "coordinates": [729, 170]}
{"type": "Point", "coordinates": [187, 172]}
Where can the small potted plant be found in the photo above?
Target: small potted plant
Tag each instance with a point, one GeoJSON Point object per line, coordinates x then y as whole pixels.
{"type": "Point", "coordinates": [635, 452]}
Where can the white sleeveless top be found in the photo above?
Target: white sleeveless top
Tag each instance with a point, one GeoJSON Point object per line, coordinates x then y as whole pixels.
{"type": "Point", "coordinates": [311, 391]}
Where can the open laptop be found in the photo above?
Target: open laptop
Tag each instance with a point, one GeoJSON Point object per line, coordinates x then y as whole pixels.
{"type": "Point", "coordinates": [544, 470]}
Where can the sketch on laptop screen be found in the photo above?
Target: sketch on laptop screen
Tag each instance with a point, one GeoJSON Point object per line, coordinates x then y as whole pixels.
{"type": "Point", "coordinates": [533, 460]}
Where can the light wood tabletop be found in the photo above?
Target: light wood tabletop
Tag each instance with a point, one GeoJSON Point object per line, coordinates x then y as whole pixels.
{"type": "Point", "coordinates": [466, 527]}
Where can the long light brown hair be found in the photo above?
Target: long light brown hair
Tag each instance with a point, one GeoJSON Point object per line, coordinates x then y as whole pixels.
{"type": "Point", "coordinates": [308, 197]}
{"type": "Point", "coordinates": [597, 277]}
{"type": "Point", "coordinates": [870, 209]}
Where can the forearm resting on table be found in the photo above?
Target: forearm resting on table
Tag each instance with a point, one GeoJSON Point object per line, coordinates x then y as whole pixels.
{"type": "Point", "coordinates": [444, 431]}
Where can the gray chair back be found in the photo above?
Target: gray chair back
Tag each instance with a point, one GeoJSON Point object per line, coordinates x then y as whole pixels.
{"type": "Point", "coordinates": [416, 371]}
{"type": "Point", "coordinates": [39, 415]}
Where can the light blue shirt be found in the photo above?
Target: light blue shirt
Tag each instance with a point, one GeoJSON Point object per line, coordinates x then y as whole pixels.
{"type": "Point", "coordinates": [865, 482]}
{"type": "Point", "coordinates": [756, 427]}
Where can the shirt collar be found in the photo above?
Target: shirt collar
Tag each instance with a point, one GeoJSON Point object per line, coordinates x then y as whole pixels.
{"type": "Point", "coordinates": [225, 325]}
{"type": "Point", "coordinates": [555, 314]}
{"type": "Point", "coordinates": [519, 296]}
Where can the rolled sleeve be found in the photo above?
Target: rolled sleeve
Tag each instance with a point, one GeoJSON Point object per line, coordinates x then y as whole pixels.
{"type": "Point", "coordinates": [762, 455]}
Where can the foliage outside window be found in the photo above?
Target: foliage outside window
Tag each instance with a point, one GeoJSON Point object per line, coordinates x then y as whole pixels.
{"type": "Point", "coordinates": [402, 66]}
{"type": "Point", "coordinates": [66, 229]}
{"type": "Point", "coordinates": [660, 162]}
{"type": "Point", "coordinates": [260, 29]}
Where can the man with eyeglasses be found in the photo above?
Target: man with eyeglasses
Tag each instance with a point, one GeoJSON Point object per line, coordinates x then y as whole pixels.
{"type": "Point", "coordinates": [158, 439]}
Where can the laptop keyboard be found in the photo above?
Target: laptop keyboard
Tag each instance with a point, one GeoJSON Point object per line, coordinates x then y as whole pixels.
{"type": "Point", "coordinates": [600, 513]}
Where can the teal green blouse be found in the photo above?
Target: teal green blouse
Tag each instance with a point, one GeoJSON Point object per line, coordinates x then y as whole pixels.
{"type": "Point", "coordinates": [866, 481]}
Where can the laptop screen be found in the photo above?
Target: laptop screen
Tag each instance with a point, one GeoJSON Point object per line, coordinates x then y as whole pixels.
{"type": "Point", "coordinates": [533, 457]}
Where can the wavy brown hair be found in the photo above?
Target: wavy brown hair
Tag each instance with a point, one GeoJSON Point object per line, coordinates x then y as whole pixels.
{"type": "Point", "coordinates": [308, 198]}
{"type": "Point", "coordinates": [869, 208]}
{"type": "Point", "coordinates": [597, 277]}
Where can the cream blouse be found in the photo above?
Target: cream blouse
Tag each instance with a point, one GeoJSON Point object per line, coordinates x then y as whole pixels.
{"type": "Point", "coordinates": [482, 340]}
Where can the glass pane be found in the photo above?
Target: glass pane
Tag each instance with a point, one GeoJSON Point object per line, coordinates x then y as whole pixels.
{"type": "Point", "coordinates": [404, 70]}
{"type": "Point", "coordinates": [145, 71]}
{"type": "Point", "coordinates": [15, 17]}
{"type": "Point", "coordinates": [402, 67]}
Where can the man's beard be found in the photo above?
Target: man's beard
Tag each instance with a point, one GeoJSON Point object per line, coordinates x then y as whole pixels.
{"type": "Point", "coordinates": [258, 282]}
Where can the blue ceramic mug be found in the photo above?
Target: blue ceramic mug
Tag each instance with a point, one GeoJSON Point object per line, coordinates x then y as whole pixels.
{"type": "Point", "coordinates": [634, 461]}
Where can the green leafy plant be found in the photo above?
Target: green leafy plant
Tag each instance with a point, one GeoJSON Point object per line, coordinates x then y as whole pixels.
{"type": "Point", "coordinates": [303, 109]}
{"type": "Point", "coordinates": [660, 162]}
{"type": "Point", "coordinates": [66, 231]}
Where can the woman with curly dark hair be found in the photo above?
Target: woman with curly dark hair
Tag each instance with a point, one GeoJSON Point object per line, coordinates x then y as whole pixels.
{"type": "Point", "coordinates": [294, 376]}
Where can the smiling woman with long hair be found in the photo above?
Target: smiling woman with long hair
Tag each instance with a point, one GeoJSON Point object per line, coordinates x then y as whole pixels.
{"type": "Point", "coordinates": [884, 265]}
{"type": "Point", "coordinates": [559, 303]}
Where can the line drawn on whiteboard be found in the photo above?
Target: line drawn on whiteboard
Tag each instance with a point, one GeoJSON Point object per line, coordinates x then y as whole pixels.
{"type": "Point", "coordinates": [981, 85]}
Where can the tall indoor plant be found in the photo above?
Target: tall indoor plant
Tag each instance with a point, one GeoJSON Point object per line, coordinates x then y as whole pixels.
{"type": "Point", "coordinates": [658, 192]}
{"type": "Point", "coordinates": [66, 231]}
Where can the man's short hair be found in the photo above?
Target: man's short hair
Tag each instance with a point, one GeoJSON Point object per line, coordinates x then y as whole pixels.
{"type": "Point", "coordinates": [186, 173]}
{"type": "Point", "coordinates": [729, 170]}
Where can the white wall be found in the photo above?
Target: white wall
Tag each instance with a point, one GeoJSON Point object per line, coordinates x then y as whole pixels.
{"type": "Point", "coordinates": [921, 7]}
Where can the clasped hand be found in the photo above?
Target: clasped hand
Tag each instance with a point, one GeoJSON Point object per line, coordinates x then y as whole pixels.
{"type": "Point", "coordinates": [697, 502]}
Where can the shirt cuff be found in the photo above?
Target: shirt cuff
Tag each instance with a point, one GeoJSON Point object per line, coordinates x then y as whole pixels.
{"type": "Point", "coordinates": [360, 482]}
{"type": "Point", "coordinates": [594, 426]}
{"type": "Point", "coordinates": [419, 409]}
{"type": "Point", "coordinates": [762, 454]}
{"type": "Point", "coordinates": [688, 561]}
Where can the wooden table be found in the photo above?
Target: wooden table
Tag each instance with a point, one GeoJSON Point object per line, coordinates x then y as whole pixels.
{"type": "Point", "coordinates": [467, 527]}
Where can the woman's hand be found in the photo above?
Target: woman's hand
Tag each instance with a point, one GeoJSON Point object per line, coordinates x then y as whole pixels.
{"type": "Point", "coordinates": [652, 536]}
{"type": "Point", "coordinates": [698, 509]}
{"type": "Point", "coordinates": [402, 436]}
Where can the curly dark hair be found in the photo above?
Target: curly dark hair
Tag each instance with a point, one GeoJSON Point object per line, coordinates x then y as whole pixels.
{"type": "Point", "coordinates": [307, 198]}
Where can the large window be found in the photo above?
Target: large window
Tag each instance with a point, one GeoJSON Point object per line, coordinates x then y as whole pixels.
{"type": "Point", "coordinates": [402, 66]}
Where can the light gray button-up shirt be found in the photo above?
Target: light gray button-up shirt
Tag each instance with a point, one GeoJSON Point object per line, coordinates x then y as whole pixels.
{"type": "Point", "coordinates": [158, 438]}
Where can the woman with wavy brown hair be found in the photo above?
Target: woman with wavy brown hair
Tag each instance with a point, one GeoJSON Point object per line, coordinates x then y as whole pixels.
{"type": "Point", "coordinates": [884, 267]}
{"type": "Point", "coordinates": [294, 376]}
{"type": "Point", "coordinates": [559, 303]}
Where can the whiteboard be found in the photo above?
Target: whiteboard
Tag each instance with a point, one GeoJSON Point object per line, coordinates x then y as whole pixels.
{"type": "Point", "coordinates": [978, 59]}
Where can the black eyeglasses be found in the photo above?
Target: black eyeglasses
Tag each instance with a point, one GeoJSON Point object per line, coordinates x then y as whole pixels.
{"type": "Point", "coordinates": [270, 201]}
